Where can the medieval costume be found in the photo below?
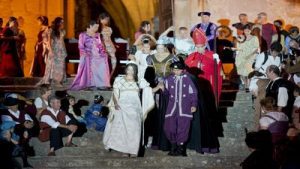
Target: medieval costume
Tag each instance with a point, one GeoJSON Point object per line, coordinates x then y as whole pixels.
{"type": "Point", "coordinates": [41, 53]}
{"type": "Point", "coordinates": [123, 131]}
{"type": "Point", "coordinates": [246, 53]}
{"type": "Point", "coordinates": [182, 99]}
{"type": "Point", "coordinates": [281, 91]}
{"type": "Point", "coordinates": [206, 61]}
{"type": "Point", "coordinates": [268, 30]}
{"type": "Point", "coordinates": [94, 116]}
{"type": "Point", "coordinates": [93, 69]}
{"type": "Point", "coordinates": [109, 46]}
{"type": "Point", "coordinates": [21, 42]}
{"type": "Point", "coordinates": [9, 59]}
{"type": "Point", "coordinates": [206, 125]}
{"type": "Point", "coordinates": [157, 71]}
{"type": "Point", "coordinates": [19, 117]}
{"type": "Point", "coordinates": [141, 60]}
{"type": "Point", "coordinates": [56, 65]}
{"type": "Point", "coordinates": [50, 130]}
{"type": "Point", "coordinates": [209, 29]}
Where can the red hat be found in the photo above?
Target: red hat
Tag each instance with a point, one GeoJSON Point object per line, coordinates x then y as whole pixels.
{"type": "Point", "coordinates": [199, 37]}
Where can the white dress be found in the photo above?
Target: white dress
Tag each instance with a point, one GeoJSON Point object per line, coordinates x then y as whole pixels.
{"type": "Point", "coordinates": [123, 129]}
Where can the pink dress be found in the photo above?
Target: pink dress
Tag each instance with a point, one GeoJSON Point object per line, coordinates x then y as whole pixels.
{"type": "Point", "coordinates": [93, 69]}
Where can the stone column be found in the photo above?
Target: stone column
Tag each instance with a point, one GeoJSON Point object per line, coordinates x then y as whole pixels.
{"type": "Point", "coordinates": [69, 17]}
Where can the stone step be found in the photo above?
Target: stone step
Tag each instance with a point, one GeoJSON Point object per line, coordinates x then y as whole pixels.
{"type": "Point", "coordinates": [236, 118]}
{"type": "Point", "coordinates": [199, 161]}
{"type": "Point", "coordinates": [26, 81]}
{"type": "Point", "coordinates": [243, 96]}
{"type": "Point", "coordinates": [125, 167]}
{"type": "Point", "coordinates": [238, 126]}
{"type": "Point", "coordinates": [235, 134]}
{"type": "Point", "coordinates": [228, 94]}
{"type": "Point", "coordinates": [247, 109]}
{"type": "Point", "coordinates": [242, 103]}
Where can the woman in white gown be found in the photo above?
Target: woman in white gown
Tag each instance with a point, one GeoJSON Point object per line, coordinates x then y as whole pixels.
{"type": "Point", "coordinates": [127, 113]}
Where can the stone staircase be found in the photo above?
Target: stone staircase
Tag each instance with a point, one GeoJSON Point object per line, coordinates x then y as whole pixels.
{"type": "Point", "coordinates": [91, 154]}
{"type": "Point", "coordinates": [235, 108]}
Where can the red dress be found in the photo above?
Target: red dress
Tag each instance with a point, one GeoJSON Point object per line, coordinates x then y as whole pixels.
{"type": "Point", "coordinates": [41, 54]}
{"type": "Point", "coordinates": [9, 60]}
{"type": "Point", "coordinates": [205, 62]}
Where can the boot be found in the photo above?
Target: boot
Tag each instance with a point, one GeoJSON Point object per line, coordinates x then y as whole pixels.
{"type": "Point", "coordinates": [173, 151]}
{"type": "Point", "coordinates": [181, 150]}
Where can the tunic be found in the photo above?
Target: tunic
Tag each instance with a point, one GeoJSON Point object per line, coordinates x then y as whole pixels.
{"type": "Point", "coordinates": [182, 97]}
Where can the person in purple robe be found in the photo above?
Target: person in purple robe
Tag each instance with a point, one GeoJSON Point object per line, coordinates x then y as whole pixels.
{"type": "Point", "coordinates": [181, 106]}
{"type": "Point", "coordinates": [93, 70]}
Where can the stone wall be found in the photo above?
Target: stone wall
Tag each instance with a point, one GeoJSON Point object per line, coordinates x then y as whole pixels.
{"type": "Point", "coordinates": [186, 10]}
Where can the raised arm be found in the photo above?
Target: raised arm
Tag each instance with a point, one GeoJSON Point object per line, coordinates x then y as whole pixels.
{"type": "Point", "coordinates": [171, 28]}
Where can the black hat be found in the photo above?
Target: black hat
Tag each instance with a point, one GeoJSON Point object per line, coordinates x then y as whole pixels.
{"type": "Point", "coordinates": [11, 101]}
{"type": "Point", "coordinates": [177, 65]}
{"type": "Point", "coordinates": [98, 98]}
{"type": "Point", "coordinates": [204, 13]}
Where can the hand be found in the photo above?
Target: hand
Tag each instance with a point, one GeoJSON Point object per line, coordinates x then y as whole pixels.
{"type": "Point", "coordinates": [193, 109]}
{"type": "Point", "coordinates": [171, 28]}
{"type": "Point", "coordinates": [28, 124]}
{"type": "Point", "coordinates": [96, 113]}
{"type": "Point", "coordinates": [25, 134]}
{"type": "Point", "coordinates": [72, 128]}
{"type": "Point", "coordinates": [161, 86]}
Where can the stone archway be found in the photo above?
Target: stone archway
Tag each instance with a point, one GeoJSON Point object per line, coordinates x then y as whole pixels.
{"type": "Point", "coordinates": [126, 14]}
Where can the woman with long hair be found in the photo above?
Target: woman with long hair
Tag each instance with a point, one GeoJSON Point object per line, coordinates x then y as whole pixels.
{"type": "Point", "coordinates": [55, 65]}
{"type": "Point", "coordinates": [127, 113]}
{"type": "Point", "coordinates": [9, 59]}
{"type": "Point", "coordinates": [93, 69]}
{"type": "Point", "coordinates": [247, 50]}
{"type": "Point", "coordinates": [106, 32]}
{"type": "Point", "coordinates": [41, 48]}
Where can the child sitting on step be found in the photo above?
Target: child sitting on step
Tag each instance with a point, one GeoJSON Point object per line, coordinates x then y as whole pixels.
{"type": "Point", "coordinates": [94, 116]}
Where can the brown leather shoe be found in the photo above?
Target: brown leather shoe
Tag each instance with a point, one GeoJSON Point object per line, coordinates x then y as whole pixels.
{"type": "Point", "coordinates": [52, 153]}
{"type": "Point", "coordinates": [70, 145]}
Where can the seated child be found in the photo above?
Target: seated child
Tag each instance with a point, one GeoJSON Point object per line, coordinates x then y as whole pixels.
{"type": "Point", "coordinates": [94, 116]}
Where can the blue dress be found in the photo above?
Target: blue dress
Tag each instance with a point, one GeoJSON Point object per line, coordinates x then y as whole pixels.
{"type": "Point", "coordinates": [93, 121]}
